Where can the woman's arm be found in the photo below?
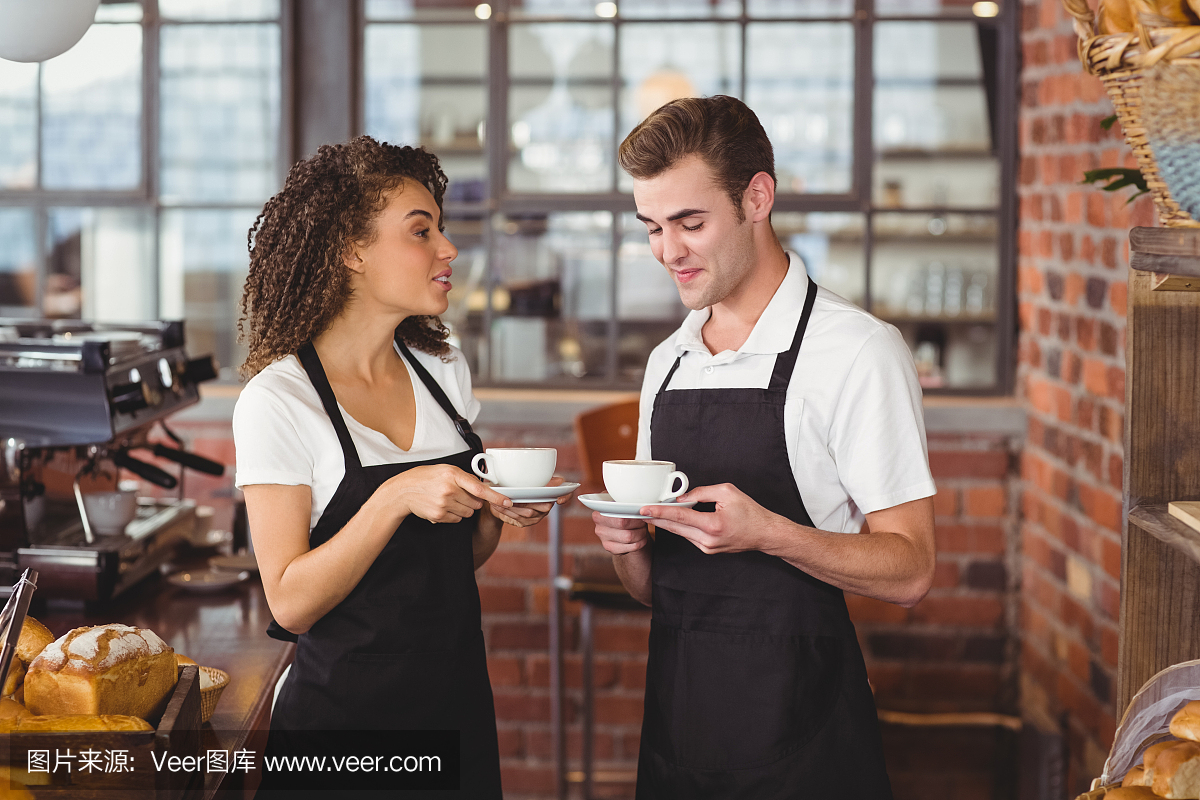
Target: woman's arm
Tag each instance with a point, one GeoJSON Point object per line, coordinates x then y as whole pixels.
{"type": "Point", "coordinates": [303, 584]}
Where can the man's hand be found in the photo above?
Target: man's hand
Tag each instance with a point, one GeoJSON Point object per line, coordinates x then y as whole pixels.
{"type": "Point", "coordinates": [620, 536]}
{"type": "Point", "coordinates": [738, 523]}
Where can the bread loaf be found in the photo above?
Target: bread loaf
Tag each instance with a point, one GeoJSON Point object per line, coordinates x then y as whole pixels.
{"type": "Point", "coordinates": [108, 669]}
{"type": "Point", "coordinates": [183, 660]}
{"type": "Point", "coordinates": [1135, 777]}
{"type": "Point", "coordinates": [16, 674]}
{"type": "Point", "coordinates": [1177, 772]}
{"type": "Point", "coordinates": [34, 638]}
{"type": "Point", "coordinates": [1150, 757]}
{"type": "Point", "coordinates": [1130, 793]}
{"type": "Point", "coordinates": [73, 722]}
{"type": "Point", "coordinates": [11, 709]}
{"type": "Point", "coordinates": [1186, 722]}
{"type": "Point", "coordinates": [1115, 16]}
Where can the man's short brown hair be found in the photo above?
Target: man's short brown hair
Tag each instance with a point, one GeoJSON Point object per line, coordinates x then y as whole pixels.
{"type": "Point", "coordinates": [721, 130]}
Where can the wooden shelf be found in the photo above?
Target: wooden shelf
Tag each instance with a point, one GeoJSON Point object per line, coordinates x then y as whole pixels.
{"type": "Point", "coordinates": [1166, 250]}
{"type": "Point", "coordinates": [1158, 522]}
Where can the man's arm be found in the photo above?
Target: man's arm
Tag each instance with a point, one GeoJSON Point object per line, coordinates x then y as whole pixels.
{"type": "Point", "coordinates": [893, 561]}
{"type": "Point", "coordinates": [629, 541]}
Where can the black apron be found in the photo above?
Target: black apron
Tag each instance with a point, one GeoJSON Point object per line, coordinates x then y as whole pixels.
{"type": "Point", "coordinates": [404, 650]}
{"type": "Point", "coordinates": [755, 684]}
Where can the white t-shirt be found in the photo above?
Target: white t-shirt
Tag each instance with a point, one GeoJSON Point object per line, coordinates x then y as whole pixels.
{"type": "Point", "coordinates": [853, 417]}
{"type": "Point", "coordinates": [282, 434]}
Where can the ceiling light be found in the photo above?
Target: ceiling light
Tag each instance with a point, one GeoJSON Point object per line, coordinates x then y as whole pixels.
{"type": "Point", "coordinates": [483, 11]}
{"type": "Point", "coordinates": [606, 10]}
{"type": "Point", "coordinates": [985, 8]}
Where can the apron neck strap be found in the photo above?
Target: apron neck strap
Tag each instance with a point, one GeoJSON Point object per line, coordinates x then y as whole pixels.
{"type": "Point", "coordinates": [316, 374]}
{"type": "Point", "coordinates": [460, 423]}
{"type": "Point", "coordinates": [785, 363]}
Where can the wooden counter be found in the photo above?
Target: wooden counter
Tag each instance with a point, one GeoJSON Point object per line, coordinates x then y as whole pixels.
{"type": "Point", "coordinates": [226, 630]}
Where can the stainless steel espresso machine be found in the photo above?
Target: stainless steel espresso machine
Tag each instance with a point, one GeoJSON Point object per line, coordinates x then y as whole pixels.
{"type": "Point", "coordinates": [77, 401]}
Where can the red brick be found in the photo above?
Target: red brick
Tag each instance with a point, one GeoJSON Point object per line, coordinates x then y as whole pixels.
{"type": "Point", "coordinates": [976, 611]}
{"type": "Point", "coordinates": [970, 539]}
{"type": "Point", "coordinates": [500, 599]}
{"type": "Point", "coordinates": [985, 501]}
{"type": "Point", "coordinates": [1109, 645]}
{"type": "Point", "coordinates": [1118, 296]}
{"type": "Point", "coordinates": [514, 706]}
{"type": "Point", "coordinates": [605, 671]}
{"type": "Point", "coordinates": [968, 463]}
{"type": "Point", "coordinates": [1108, 598]}
{"type": "Point", "coordinates": [612, 710]}
{"type": "Point", "coordinates": [945, 502]}
{"type": "Point", "coordinates": [510, 742]}
{"type": "Point", "coordinates": [504, 670]}
{"type": "Point", "coordinates": [517, 564]}
{"type": "Point", "coordinates": [541, 745]}
{"type": "Point", "coordinates": [945, 575]}
{"type": "Point", "coordinates": [633, 674]}
{"type": "Point", "coordinates": [518, 636]}
{"type": "Point", "coordinates": [522, 778]}
{"type": "Point", "coordinates": [1110, 557]}
{"type": "Point", "coordinates": [623, 637]}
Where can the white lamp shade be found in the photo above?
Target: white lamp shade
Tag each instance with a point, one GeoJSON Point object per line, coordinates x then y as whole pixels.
{"type": "Point", "coordinates": [36, 30]}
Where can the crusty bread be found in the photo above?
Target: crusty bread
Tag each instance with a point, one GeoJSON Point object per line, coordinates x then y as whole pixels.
{"type": "Point", "coordinates": [1150, 757]}
{"type": "Point", "coordinates": [16, 674]}
{"type": "Point", "coordinates": [108, 669]}
{"type": "Point", "coordinates": [1115, 16]}
{"type": "Point", "coordinates": [1177, 772]}
{"type": "Point", "coordinates": [1130, 793]}
{"type": "Point", "coordinates": [74, 722]}
{"type": "Point", "coordinates": [1174, 12]}
{"type": "Point", "coordinates": [1186, 722]}
{"type": "Point", "coordinates": [34, 638]}
{"type": "Point", "coordinates": [11, 709]}
{"type": "Point", "coordinates": [182, 660]}
{"type": "Point", "coordinates": [1135, 777]}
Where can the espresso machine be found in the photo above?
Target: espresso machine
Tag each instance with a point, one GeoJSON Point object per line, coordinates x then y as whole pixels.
{"type": "Point", "coordinates": [78, 403]}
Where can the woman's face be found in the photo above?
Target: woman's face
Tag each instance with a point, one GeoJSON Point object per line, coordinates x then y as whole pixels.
{"type": "Point", "coordinates": [406, 267]}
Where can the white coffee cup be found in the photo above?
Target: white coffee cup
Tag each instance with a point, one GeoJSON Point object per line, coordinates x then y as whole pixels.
{"type": "Point", "coordinates": [516, 466]}
{"type": "Point", "coordinates": [643, 482]}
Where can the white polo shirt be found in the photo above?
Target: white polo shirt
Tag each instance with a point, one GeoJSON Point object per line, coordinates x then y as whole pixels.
{"type": "Point", "coordinates": [853, 418]}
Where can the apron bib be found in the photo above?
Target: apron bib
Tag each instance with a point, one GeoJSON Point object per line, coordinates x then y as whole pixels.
{"type": "Point", "coordinates": [755, 684]}
{"type": "Point", "coordinates": [404, 650]}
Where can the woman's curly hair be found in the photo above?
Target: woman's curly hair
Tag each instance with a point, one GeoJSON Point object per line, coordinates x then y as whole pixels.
{"type": "Point", "coordinates": [298, 282]}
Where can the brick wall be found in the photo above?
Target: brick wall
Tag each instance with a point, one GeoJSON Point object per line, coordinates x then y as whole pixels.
{"type": "Point", "coordinates": [1071, 376]}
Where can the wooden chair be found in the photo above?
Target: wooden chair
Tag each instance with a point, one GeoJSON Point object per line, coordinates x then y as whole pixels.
{"type": "Point", "coordinates": [602, 434]}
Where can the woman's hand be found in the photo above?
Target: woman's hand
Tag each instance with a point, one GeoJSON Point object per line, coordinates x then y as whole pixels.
{"type": "Point", "coordinates": [526, 514]}
{"type": "Point", "coordinates": [440, 493]}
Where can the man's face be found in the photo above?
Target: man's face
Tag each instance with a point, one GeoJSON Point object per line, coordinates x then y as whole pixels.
{"type": "Point", "coordinates": [695, 232]}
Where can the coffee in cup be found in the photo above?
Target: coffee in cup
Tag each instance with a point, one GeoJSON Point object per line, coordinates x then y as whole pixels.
{"type": "Point", "coordinates": [516, 466]}
{"type": "Point", "coordinates": [643, 482]}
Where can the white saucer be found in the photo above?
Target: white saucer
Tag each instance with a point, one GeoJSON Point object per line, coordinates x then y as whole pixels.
{"type": "Point", "coordinates": [209, 580]}
{"type": "Point", "coordinates": [535, 494]}
{"type": "Point", "coordinates": [604, 503]}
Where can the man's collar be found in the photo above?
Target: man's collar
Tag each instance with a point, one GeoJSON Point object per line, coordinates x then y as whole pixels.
{"type": "Point", "coordinates": [775, 329]}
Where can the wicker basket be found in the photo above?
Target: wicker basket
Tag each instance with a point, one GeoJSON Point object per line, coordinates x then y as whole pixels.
{"type": "Point", "coordinates": [210, 696]}
{"type": "Point", "coordinates": [1119, 60]}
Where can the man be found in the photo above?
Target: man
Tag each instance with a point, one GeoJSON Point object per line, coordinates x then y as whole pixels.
{"type": "Point", "coordinates": [796, 415]}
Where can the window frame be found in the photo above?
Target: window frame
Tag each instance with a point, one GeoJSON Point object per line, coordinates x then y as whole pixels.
{"type": "Point", "coordinates": [500, 202]}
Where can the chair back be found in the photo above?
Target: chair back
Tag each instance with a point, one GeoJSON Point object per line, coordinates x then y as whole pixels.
{"type": "Point", "coordinates": [607, 433]}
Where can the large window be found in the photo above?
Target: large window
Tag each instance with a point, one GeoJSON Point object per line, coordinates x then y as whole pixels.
{"type": "Point", "coordinates": [892, 123]}
{"type": "Point", "coordinates": [132, 166]}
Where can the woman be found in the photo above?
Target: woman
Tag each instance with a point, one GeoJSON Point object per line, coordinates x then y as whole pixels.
{"type": "Point", "coordinates": [353, 450]}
